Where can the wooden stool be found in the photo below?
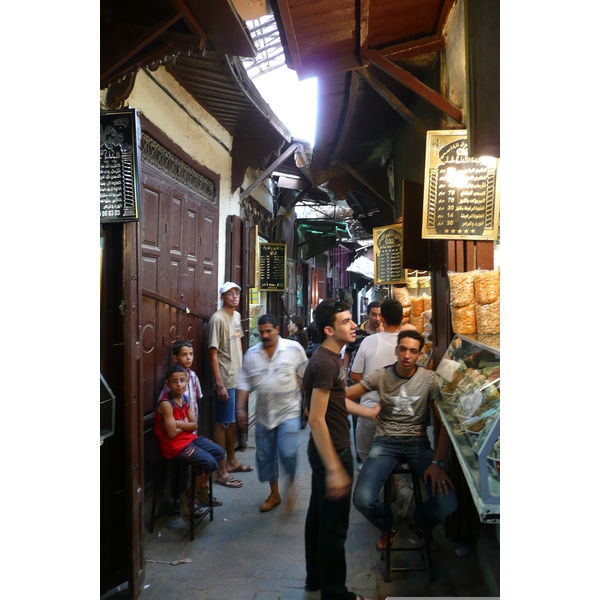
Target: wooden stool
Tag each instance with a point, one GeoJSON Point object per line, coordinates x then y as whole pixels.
{"type": "Point", "coordinates": [161, 465]}
{"type": "Point", "coordinates": [403, 469]}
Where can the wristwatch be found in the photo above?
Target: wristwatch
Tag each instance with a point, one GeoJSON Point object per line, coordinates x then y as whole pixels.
{"type": "Point", "coordinates": [439, 463]}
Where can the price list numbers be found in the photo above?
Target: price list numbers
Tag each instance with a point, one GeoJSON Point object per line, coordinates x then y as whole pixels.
{"type": "Point", "coordinates": [460, 198]}
{"type": "Point", "coordinates": [272, 267]}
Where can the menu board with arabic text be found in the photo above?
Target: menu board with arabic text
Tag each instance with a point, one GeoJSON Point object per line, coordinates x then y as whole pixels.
{"type": "Point", "coordinates": [272, 267]}
{"type": "Point", "coordinates": [388, 253]}
{"type": "Point", "coordinates": [461, 199]}
{"type": "Point", "coordinates": [119, 166]}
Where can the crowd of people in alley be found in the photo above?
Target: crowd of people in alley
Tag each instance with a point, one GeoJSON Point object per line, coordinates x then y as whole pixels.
{"type": "Point", "coordinates": [327, 372]}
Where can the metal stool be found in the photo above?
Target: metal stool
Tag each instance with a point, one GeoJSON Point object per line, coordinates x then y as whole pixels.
{"type": "Point", "coordinates": [163, 464]}
{"type": "Point", "coordinates": [403, 469]}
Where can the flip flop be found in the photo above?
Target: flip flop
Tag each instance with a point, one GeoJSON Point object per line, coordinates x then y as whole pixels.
{"type": "Point", "coordinates": [241, 469]}
{"type": "Point", "coordinates": [232, 482]}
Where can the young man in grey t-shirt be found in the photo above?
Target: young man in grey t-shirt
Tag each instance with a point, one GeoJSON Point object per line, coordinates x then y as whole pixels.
{"type": "Point", "coordinates": [407, 394]}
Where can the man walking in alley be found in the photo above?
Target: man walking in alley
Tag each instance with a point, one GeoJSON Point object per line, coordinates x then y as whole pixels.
{"type": "Point", "coordinates": [329, 454]}
{"type": "Point", "coordinates": [407, 394]}
{"type": "Point", "coordinates": [271, 368]}
{"type": "Point", "coordinates": [225, 357]}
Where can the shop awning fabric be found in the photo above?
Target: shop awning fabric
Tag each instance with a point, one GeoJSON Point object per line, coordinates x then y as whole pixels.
{"type": "Point", "coordinates": [316, 236]}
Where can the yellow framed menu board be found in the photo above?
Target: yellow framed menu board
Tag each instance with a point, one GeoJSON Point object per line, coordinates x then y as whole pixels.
{"type": "Point", "coordinates": [388, 253]}
{"type": "Point", "coordinates": [461, 199]}
{"type": "Point", "coordinates": [273, 259]}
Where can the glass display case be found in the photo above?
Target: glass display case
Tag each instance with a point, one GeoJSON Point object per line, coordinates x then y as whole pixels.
{"type": "Point", "coordinates": [469, 377]}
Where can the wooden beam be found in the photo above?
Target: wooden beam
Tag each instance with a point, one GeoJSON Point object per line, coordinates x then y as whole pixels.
{"type": "Point", "coordinates": [447, 5]}
{"type": "Point", "coordinates": [189, 18]}
{"type": "Point", "coordinates": [290, 34]}
{"type": "Point", "coordinates": [144, 60]}
{"type": "Point", "coordinates": [425, 45]}
{"type": "Point", "coordinates": [268, 171]}
{"type": "Point", "coordinates": [141, 43]}
{"type": "Point", "coordinates": [345, 117]}
{"type": "Point", "coordinates": [351, 171]}
{"type": "Point", "coordinates": [411, 82]}
{"type": "Point", "coordinates": [362, 26]}
{"type": "Point", "coordinates": [292, 204]}
{"type": "Point", "coordinates": [404, 112]}
{"type": "Point", "coordinates": [323, 68]}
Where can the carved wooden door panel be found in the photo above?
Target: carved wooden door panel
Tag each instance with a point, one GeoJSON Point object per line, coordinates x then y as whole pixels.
{"type": "Point", "coordinates": [179, 279]}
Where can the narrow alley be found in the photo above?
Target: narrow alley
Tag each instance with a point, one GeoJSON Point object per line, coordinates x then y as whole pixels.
{"type": "Point", "coordinates": [247, 555]}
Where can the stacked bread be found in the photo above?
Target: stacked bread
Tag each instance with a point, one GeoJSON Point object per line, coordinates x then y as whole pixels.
{"type": "Point", "coordinates": [475, 301]}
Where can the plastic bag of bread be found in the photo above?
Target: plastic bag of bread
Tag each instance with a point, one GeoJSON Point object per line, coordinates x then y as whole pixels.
{"type": "Point", "coordinates": [418, 305]}
{"type": "Point", "coordinates": [417, 322]}
{"type": "Point", "coordinates": [487, 286]}
{"type": "Point", "coordinates": [463, 319]}
{"type": "Point", "coordinates": [462, 290]}
{"type": "Point", "coordinates": [403, 296]}
{"type": "Point", "coordinates": [406, 312]}
{"type": "Point", "coordinates": [426, 302]}
{"type": "Point", "coordinates": [405, 320]}
{"type": "Point", "coordinates": [427, 316]}
{"type": "Point", "coordinates": [488, 317]}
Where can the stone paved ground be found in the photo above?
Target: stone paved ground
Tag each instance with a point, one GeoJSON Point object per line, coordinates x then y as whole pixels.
{"type": "Point", "coordinates": [247, 555]}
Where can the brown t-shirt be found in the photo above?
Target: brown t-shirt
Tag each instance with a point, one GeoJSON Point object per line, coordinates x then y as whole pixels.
{"type": "Point", "coordinates": [325, 370]}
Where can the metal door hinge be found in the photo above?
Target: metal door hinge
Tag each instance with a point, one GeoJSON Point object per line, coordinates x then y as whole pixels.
{"type": "Point", "coordinates": [123, 307]}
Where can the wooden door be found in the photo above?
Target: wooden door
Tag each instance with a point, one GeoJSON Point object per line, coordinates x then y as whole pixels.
{"type": "Point", "coordinates": [179, 249]}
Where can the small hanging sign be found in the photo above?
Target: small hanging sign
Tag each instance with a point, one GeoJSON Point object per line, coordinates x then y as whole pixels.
{"type": "Point", "coordinates": [388, 254]}
{"type": "Point", "coordinates": [119, 166]}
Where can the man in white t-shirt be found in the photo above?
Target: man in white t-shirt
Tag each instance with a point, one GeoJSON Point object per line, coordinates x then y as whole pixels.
{"type": "Point", "coordinates": [376, 351]}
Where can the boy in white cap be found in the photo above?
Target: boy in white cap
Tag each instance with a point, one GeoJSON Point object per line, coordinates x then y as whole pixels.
{"type": "Point", "coordinates": [225, 356]}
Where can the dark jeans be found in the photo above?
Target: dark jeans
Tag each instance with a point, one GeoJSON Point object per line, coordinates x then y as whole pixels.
{"type": "Point", "coordinates": [325, 531]}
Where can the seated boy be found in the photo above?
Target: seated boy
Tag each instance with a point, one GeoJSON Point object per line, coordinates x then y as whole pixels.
{"type": "Point", "coordinates": [183, 354]}
{"type": "Point", "coordinates": [174, 425]}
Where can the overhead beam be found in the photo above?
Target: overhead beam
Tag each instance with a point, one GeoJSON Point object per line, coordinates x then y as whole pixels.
{"type": "Point", "coordinates": [141, 43]}
{"type": "Point", "coordinates": [362, 26]}
{"type": "Point", "coordinates": [292, 204]}
{"type": "Point", "coordinates": [268, 171]}
{"type": "Point", "coordinates": [396, 104]}
{"type": "Point", "coordinates": [411, 82]}
{"type": "Point", "coordinates": [420, 47]}
{"type": "Point", "coordinates": [352, 171]}
{"type": "Point", "coordinates": [189, 18]}
{"type": "Point", "coordinates": [290, 34]}
{"type": "Point", "coordinates": [443, 15]}
{"type": "Point", "coordinates": [345, 117]}
{"type": "Point", "coordinates": [139, 61]}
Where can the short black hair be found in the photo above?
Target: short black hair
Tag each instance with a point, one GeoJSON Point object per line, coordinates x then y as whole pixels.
{"type": "Point", "coordinates": [392, 312]}
{"type": "Point", "coordinates": [268, 319]}
{"type": "Point", "coordinates": [325, 314]}
{"type": "Point", "coordinates": [175, 369]}
{"type": "Point", "coordinates": [415, 335]}
{"type": "Point", "coordinates": [372, 305]}
{"type": "Point", "coordinates": [177, 346]}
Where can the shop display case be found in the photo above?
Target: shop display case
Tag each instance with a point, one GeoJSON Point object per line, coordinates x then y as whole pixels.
{"type": "Point", "coordinates": [469, 377]}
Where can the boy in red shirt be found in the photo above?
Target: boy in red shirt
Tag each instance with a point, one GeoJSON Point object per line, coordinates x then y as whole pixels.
{"type": "Point", "coordinates": [175, 425]}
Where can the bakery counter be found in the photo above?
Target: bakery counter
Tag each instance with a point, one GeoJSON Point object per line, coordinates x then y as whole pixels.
{"type": "Point", "coordinates": [469, 407]}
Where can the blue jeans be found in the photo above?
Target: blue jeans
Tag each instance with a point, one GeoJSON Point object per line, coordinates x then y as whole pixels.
{"type": "Point", "coordinates": [385, 454]}
{"type": "Point", "coordinates": [203, 453]}
{"type": "Point", "coordinates": [283, 440]}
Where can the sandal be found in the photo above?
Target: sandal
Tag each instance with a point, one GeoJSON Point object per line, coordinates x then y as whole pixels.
{"type": "Point", "coordinates": [202, 500]}
{"type": "Point", "coordinates": [241, 469]}
{"type": "Point", "coordinates": [382, 543]}
{"type": "Point", "coordinates": [230, 482]}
